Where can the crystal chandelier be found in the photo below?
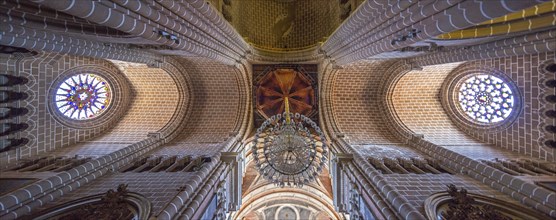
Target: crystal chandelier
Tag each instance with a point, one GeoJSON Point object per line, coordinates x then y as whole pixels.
{"type": "Point", "coordinates": [285, 150]}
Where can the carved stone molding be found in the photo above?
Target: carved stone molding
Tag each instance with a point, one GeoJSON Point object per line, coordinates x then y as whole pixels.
{"type": "Point", "coordinates": [119, 204]}
{"type": "Point", "coordinates": [454, 204]}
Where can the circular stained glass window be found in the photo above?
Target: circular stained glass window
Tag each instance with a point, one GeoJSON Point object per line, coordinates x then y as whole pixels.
{"type": "Point", "coordinates": [486, 98]}
{"type": "Point", "coordinates": [83, 96]}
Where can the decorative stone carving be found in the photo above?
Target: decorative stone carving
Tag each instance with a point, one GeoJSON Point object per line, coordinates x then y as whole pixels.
{"type": "Point", "coordinates": [354, 197]}
{"type": "Point", "coordinates": [462, 206]}
{"type": "Point", "coordinates": [112, 206]}
{"type": "Point", "coordinates": [222, 200]}
{"type": "Point", "coordinates": [119, 204]}
{"type": "Point", "coordinates": [459, 205]}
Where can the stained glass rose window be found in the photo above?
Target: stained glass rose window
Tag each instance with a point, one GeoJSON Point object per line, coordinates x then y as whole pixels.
{"type": "Point", "coordinates": [83, 96]}
{"type": "Point", "coordinates": [486, 98]}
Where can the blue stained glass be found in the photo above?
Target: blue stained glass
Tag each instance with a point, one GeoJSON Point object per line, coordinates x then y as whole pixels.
{"type": "Point", "coordinates": [79, 99]}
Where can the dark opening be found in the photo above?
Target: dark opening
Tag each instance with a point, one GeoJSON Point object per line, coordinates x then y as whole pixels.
{"type": "Point", "coordinates": [550, 83]}
{"type": "Point", "coordinates": [551, 68]}
{"type": "Point", "coordinates": [551, 98]}
{"type": "Point", "coordinates": [550, 128]}
{"type": "Point", "coordinates": [12, 128]}
{"type": "Point", "coordinates": [550, 113]}
{"type": "Point", "coordinates": [550, 143]}
{"type": "Point", "coordinates": [9, 96]}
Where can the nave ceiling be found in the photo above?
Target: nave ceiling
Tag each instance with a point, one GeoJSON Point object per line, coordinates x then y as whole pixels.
{"type": "Point", "coordinates": [192, 80]}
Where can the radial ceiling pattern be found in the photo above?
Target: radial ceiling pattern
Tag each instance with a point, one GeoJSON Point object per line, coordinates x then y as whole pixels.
{"type": "Point", "coordinates": [277, 84]}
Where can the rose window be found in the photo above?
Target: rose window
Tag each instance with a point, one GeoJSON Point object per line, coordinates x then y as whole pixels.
{"type": "Point", "coordinates": [83, 96]}
{"type": "Point", "coordinates": [486, 98]}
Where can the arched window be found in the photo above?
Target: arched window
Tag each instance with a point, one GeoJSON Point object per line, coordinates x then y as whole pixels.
{"type": "Point", "coordinates": [83, 96]}
{"type": "Point", "coordinates": [485, 98]}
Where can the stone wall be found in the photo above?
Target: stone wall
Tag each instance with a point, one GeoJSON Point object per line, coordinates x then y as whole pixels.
{"type": "Point", "coordinates": [155, 99]}
{"type": "Point", "coordinates": [355, 101]}
{"type": "Point", "coordinates": [526, 135]}
{"type": "Point", "coordinates": [159, 188]}
{"type": "Point", "coordinates": [217, 109]}
{"type": "Point", "coordinates": [45, 132]}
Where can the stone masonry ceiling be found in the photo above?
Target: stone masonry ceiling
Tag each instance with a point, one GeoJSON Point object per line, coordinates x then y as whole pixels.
{"type": "Point", "coordinates": [413, 99]}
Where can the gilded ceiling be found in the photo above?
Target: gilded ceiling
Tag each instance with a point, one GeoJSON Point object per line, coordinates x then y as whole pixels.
{"type": "Point", "coordinates": [286, 25]}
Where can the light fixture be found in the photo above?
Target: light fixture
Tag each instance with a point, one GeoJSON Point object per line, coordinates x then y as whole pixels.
{"type": "Point", "coordinates": [289, 149]}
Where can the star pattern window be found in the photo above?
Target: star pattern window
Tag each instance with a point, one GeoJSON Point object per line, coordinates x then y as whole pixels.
{"type": "Point", "coordinates": [83, 96]}
{"type": "Point", "coordinates": [486, 98]}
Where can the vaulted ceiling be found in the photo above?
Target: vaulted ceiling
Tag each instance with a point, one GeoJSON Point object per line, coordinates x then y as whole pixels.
{"type": "Point", "coordinates": [284, 25]}
{"type": "Point", "coordinates": [203, 73]}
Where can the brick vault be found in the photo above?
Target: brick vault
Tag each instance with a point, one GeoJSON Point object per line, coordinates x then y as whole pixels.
{"type": "Point", "coordinates": [147, 109]}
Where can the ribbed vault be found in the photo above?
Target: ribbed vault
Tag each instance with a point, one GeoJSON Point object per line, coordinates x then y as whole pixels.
{"type": "Point", "coordinates": [180, 131]}
{"type": "Point", "coordinates": [284, 25]}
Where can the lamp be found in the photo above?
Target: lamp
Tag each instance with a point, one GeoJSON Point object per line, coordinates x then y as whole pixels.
{"type": "Point", "coordinates": [289, 149]}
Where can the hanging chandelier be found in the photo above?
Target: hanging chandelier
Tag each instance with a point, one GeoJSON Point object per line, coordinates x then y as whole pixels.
{"type": "Point", "coordinates": [289, 149]}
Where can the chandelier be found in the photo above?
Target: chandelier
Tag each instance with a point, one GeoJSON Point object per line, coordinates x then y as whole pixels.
{"type": "Point", "coordinates": [285, 150]}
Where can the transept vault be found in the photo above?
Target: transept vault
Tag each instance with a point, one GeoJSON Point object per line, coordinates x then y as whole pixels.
{"type": "Point", "coordinates": [373, 109]}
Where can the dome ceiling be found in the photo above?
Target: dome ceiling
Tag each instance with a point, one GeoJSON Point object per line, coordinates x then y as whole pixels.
{"type": "Point", "coordinates": [280, 83]}
{"type": "Point", "coordinates": [272, 83]}
{"type": "Point", "coordinates": [285, 25]}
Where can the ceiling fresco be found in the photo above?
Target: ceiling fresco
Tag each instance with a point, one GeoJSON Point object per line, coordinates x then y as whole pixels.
{"type": "Point", "coordinates": [272, 83]}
